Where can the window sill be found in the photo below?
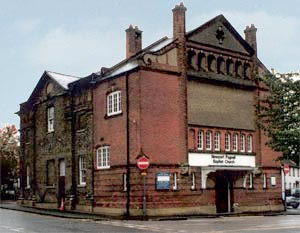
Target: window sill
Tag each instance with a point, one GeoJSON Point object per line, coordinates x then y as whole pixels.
{"type": "Point", "coordinates": [107, 116]}
{"type": "Point", "coordinates": [50, 186]}
{"type": "Point", "coordinates": [103, 168]}
{"type": "Point", "coordinates": [80, 131]}
{"type": "Point", "coordinates": [81, 185]}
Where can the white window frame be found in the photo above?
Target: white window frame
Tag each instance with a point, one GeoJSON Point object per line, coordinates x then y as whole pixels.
{"type": "Point", "coordinates": [82, 170]}
{"type": "Point", "coordinates": [200, 140]}
{"type": "Point", "coordinates": [265, 181]}
{"type": "Point", "coordinates": [103, 157]}
{"type": "Point", "coordinates": [217, 142]}
{"type": "Point", "coordinates": [175, 181]}
{"type": "Point", "coordinates": [193, 186]}
{"type": "Point", "coordinates": [124, 182]}
{"type": "Point", "coordinates": [208, 141]}
{"type": "Point", "coordinates": [114, 103]}
{"type": "Point", "coordinates": [28, 177]}
{"type": "Point", "coordinates": [235, 142]}
{"type": "Point", "coordinates": [249, 143]}
{"type": "Point", "coordinates": [242, 143]}
{"type": "Point", "coordinates": [227, 141]}
{"type": "Point", "coordinates": [251, 180]}
{"type": "Point", "coordinates": [50, 119]}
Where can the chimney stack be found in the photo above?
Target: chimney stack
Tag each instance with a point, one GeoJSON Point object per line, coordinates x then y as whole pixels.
{"type": "Point", "coordinates": [133, 40]}
{"type": "Point", "coordinates": [250, 36]}
{"type": "Point", "coordinates": [179, 21]}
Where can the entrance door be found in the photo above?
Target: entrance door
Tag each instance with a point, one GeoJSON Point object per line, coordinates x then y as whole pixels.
{"type": "Point", "coordinates": [61, 181]}
{"type": "Point", "coordinates": [223, 194]}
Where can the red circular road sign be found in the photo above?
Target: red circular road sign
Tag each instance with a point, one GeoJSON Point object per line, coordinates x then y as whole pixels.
{"type": "Point", "coordinates": [286, 168]}
{"type": "Point", "coordinates": [143, 163]}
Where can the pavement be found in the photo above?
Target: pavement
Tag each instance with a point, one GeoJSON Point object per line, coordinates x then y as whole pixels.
{"type": "Point", "coordinates": [12, 205]}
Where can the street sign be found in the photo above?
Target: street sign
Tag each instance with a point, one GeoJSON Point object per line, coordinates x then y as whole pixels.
{"type": "Point", "coordinates": [143, 163]}
{"type": "Point", "coordinates": [286, 169]}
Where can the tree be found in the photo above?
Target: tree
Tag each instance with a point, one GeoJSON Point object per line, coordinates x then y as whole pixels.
{"type": "Point", "coordinates": [9, 155]}
{"type": "Point", "coordinates": [279, 113]}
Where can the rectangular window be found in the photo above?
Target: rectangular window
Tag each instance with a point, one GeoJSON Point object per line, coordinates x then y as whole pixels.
{"type": "Point", "coordinates": [273, 180]}
{"type": "Point", "coordinates": [249, 143]}
{"type": "Point", "coordinates": [103, 158]}
{"type": "Point", "coordinates": [200, 140]}
{"type": "Point", "coordinates": [251, 181]}
{"type": "Point", "coordinates": [217, 141]}
{"type": "Point", "coordinates": [227, 141]}
{"type": "Point", "coordinates": [208, 140]}
{"type": "Point", "coordinates": [82, 170]}
{"type": "Point", "coordinates": [242, 143]}
{"type": "Point", "coordinates": [27, 177]}
{"type": "Point", "coordinates": [50, 119]}
{"type": "Point", "coordinates": [50, 172]}
{"type": "Point", "coordinates": [265, 181]}
{"type": "Point", "coordinates": [124, 182]}
{"type": "Point", "coordinates": [193, 186]}
{"type": "Point", "coordinates": [235, 142]}
{"type": "Point", "coordinates": [175, 181]}
{"type": "Point", "coordinates": [114, 103]}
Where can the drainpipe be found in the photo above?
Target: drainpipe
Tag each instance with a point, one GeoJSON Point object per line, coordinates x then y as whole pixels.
{"type": "Point", "coordinates": [93, 140]}
{"type": "Point", "coordinates": [34, 155]}
{"type": "Point", "coordinates": [73, 170]}
{"type": "Point", "coordinates": [128, 152]}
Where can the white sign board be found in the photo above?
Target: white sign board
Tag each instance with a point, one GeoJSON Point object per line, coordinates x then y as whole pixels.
{"type": "Point", "coordinates": [230, 160]}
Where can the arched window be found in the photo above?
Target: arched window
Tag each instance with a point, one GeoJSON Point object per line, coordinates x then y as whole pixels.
{"type": "Point", "coordinates": [200, 140]}
{"type": "Point", "coordinates": [242, 143]}
{"type": "Point", "coordinates": [247, 71]}
{"type": "Point", "coordinates": [217, 141]}
{"type": "Point", "coordinates": [229, 67]}
{"type": "Point", "coordinates": [221, 65]}
{"type": "Point", "coordinates": [227, 141]}
{"type": "Point", "coordinates": [191, 53]}
{"type": "Point", "coordinates": [212, 65]}
{"type": "Point", "coordinates": [249, 143]}
{"type": "Point", "coordinates": [238, 69]}
{"type": "Point", "coordinates": [235, 142]}
{"type": "Point", "coordinates": [208, 140]}
{"type": "Point", "coordinates": [201, 62]}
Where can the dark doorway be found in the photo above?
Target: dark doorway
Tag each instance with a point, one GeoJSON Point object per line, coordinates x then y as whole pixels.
{"type": "Point", "coordinates": [224, 193]}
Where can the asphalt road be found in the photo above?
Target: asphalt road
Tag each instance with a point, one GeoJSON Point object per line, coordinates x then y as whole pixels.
{"type": "Point", "coordinates": [16, 221]}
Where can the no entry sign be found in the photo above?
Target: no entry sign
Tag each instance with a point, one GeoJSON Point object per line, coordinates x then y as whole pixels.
{"type": "Point", "coordinates": [286, 169]}
{"type": "Point", "coordinates": [143, 163]}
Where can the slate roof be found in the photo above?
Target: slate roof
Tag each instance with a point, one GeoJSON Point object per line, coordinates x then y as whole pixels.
{"type": "Point", "coordinates": [62, 79]}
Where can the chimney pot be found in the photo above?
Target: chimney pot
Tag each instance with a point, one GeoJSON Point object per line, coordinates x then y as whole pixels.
{"type": "Point", "coordinates": [250, 37]}
{"type": "Point", "coordinates": [133, 40]}
{"type": "Point", "coordinates": [179, 21]}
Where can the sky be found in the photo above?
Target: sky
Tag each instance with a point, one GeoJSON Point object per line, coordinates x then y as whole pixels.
{"type": "Point", "coordinates": [79, 37]}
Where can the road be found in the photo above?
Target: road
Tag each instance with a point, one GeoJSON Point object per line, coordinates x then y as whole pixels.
{"type": "Point", "coordinates": [20, 222]}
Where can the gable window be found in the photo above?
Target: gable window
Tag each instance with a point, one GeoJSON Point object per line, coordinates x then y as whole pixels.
{"type": "Point", "coordinates": [227, 141]}
{"type": "Point", "coordinates": [200, 140]}
{"type": "Point", "coordinates": [114, 103]}
{"type": "Point", "coordinates": [50, 119]}
{"type": "Point", "coordinates": [82, 170]}
{"type": "Point", "coordinates": [208, 140]}
{"type": "Point", "coordinates": [235, 142]}
{"type": "Point", "coordinates": [242, 143]}
{"type": "Point", "coordinates": [217, 141]}
{"type": "Point", "coordinates": [249, 143]}
{"type": "Point", "coordinates": [103, 158]}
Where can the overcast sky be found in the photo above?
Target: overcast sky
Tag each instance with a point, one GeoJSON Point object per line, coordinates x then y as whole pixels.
{"type": "Point", "coordinates": [78, 37]}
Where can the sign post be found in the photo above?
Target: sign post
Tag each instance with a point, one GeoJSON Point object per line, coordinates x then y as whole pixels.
{"type": "Point", "coordinates": [286, 170]}
{"type": "Point", "coordinates": [143, 163]}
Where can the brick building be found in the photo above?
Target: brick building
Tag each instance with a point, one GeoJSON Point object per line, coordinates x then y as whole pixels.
{"type": "Point", "coordinates": [187, 103]}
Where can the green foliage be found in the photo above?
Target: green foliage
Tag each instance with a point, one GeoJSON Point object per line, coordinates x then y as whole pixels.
{"type": "Point", "coordinates": [279, 114]}
{"type": "Point", "coordinates": [9, 154]}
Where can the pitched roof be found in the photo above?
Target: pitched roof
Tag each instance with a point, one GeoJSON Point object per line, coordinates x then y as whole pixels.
{"type": "Point", "coordinates": [62, 79]}
{"type": "Point", "coordinates": [131, 62]}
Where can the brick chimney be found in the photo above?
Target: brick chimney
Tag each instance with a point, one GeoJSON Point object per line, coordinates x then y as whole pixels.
{"type": "Point", "coordinates": [250, 36]}
{"type": "Point", "coordinates": [179, 21]}
{"type": "Point", "coordinates": [133, 40]}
